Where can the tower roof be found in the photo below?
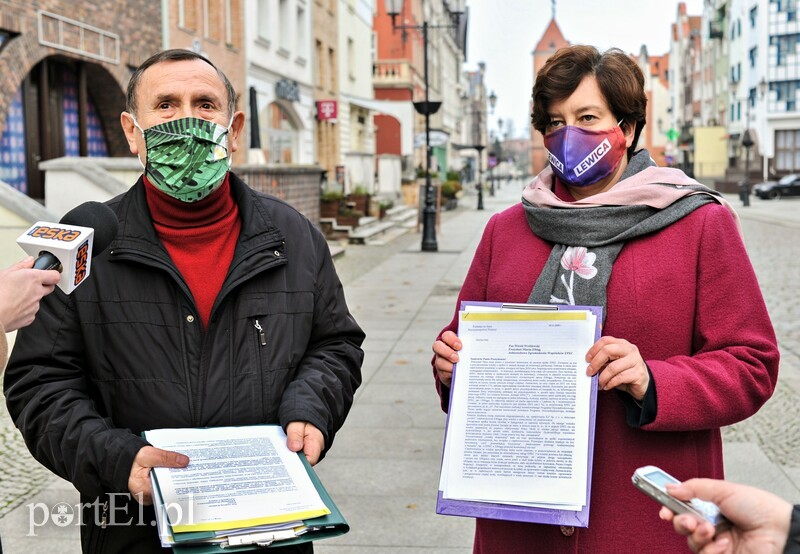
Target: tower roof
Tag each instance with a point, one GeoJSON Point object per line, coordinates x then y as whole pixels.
{"type": "Point", "coordinates": [552, 39]}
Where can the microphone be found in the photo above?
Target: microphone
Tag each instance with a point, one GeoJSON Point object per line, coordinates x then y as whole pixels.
{"type": "Point", "coordinates": [68, 246]}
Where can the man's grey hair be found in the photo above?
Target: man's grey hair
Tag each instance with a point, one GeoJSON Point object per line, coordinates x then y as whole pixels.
{"type": "Point", "coordinates": [174, 55]}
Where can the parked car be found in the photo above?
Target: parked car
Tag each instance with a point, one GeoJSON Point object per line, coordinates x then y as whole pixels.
{"type": "Point", "coordinates": [786, 186]}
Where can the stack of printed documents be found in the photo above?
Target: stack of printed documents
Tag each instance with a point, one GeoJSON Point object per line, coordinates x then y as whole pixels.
{"type": "Point", "coordinates": [242, 490]}
{"type": "Point", "coordinates": [520, 429]}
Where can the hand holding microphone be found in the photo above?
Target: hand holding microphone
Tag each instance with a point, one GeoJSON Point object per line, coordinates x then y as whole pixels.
{"type": "Point", "coordinates": [21, 289]}
{"type": "Point", "coordinates": [68, 246]}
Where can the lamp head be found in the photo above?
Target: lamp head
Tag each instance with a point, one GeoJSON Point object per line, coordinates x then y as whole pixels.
{"type": "Point", "coordinates": [747, 140]}
{"type": "Point", "coordinates": [393, 8]}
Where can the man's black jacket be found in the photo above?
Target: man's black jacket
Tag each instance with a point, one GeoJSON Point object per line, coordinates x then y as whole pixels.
{"type": "Point", "coordinates": [126, 351]}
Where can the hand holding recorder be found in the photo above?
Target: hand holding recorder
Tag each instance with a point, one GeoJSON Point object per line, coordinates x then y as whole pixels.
{"type": "Point", "coordinates": [718, 516]}
{"type": "Point", "coordinates": [759, 520]}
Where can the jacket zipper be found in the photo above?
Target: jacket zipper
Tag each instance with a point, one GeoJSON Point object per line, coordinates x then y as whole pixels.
{"type": "Point", "coordinates": [262, 337]}
{"type": "Point", "coordinates": [104, 519]}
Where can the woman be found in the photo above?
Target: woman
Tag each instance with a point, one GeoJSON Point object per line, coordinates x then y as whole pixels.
{"type": "Point", "coordinates": [687, 344]}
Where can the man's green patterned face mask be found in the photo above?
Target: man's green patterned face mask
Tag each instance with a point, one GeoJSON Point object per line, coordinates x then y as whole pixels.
{"type": "Point", "coordinates": [186, 158]}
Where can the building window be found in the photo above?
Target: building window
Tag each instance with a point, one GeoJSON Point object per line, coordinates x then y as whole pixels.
{"type": "Point", "coordinates": [753, 17]}
{"type": "Point", "coordinates": [262, 16]}
{"type": "Point", "coordinates": [753, 55]}
{"type": "Point", "coordinates": [233, 18]}
{"type": "Point", "coordinates": [787, 150]}
{"type": "Point", "coordinates": [13, 154]}
{"type": "Point", "coordinates": [301, 33]}
{"type": "Point", "coordinates": [351, 58]}
{"type": "Point", "coordinates": [332, 68]}
{"type": "Point", "coordinates": [320, 73]}
{"type": "Point", "coordinates": [211, 22]}
{"type": "Point", "coordinates": [282, 135]}
{"type": "Point", "coordinates": [285, 29]}
{"type": "Point", "coordinates": [187, 14]}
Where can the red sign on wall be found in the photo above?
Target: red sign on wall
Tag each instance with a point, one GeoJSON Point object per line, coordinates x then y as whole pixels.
{"type": "Point", "coordinates": [327, 110]}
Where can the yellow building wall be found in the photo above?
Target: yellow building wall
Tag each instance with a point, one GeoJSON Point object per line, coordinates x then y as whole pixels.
{"type": "Point", "coordinates": [710, 152]}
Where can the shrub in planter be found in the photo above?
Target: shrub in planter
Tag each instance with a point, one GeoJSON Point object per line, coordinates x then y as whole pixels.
{"type": "Point", "coordinates": [360, 199]}
{"type": "Point", "coordinates": [454, 176]}
{"type": "Point", "coordinates": [349, 217]}
{"type": "Point", "coordinates": [448, 189]}
{"type": "Point", "coordinates": [330, 203]}
{"type": "Point", "coordinates": [383, 206]}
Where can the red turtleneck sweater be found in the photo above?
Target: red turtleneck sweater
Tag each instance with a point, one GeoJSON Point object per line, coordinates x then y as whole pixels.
{"type": "Point", "coordinates": [200, 237]}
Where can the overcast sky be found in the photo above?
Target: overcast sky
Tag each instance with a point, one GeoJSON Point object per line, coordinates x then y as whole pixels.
{"type": "Point", "coordinates": [503, 34]}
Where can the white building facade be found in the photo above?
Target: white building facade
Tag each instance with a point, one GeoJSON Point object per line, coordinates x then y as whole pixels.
{"type": "Point", "coordinates": [356, 127]}
{"type": "Point", "coordinates": [279, 80]}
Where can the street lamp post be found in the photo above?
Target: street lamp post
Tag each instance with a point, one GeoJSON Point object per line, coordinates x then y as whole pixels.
{"type": "Point", "coordinates": [479, 148]}
{"type": "Point", "coordinates": [747, 142]}
{"type": "Point", "coordinates": [426, 108]}
{"type": "Point", "coordinates": [762, 91]}
{"type": "Point", "coordinates": [492, 103]}
{"type": "Point", "coordinates": [477, 136]}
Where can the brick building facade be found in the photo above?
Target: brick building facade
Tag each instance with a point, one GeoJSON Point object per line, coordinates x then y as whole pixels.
{"type": "Point", "coordinates": [64, 65]}
{"type": "Point", "coordinates": [214, 28]}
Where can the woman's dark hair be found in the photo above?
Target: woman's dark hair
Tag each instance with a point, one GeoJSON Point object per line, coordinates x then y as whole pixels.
{"type": "Point", "coordinates": [174, 55]}
{"type": "Point", "coordinates": [620, 80]}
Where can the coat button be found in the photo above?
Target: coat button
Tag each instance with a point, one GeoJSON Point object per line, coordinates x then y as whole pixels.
{"type": "Point", "coordinates": [567, 531]}
{"type": "Point", "coordinates": [277, 254]}
{"type": "Point", "coordinates": [190, 318]}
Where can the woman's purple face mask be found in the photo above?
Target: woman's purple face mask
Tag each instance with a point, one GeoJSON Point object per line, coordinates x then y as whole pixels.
{"type": "Point", "coordinates": [581, 157]}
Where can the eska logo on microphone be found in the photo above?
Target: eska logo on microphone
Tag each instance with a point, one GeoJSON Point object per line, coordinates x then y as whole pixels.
{"type": "Point", "coordinates": [81, 262]}
{"type": "Point", "coordinates": [54, 233]}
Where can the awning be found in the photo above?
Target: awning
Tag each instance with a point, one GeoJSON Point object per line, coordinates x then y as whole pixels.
{"type": "Point", "coordinates": [402, 110]}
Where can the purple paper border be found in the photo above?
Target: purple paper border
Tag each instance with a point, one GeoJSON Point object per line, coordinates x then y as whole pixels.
{"type": "Point", "coordinates": [510, 512]}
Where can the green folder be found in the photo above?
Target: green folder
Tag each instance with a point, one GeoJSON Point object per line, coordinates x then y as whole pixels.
{"type": "Point", "coordinates": [323, 527]}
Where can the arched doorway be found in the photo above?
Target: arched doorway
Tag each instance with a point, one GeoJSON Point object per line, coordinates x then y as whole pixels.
{"type": "Point", "coordinates": [280, 133]}
{"type": "Point", "coordinates": [63, 107]}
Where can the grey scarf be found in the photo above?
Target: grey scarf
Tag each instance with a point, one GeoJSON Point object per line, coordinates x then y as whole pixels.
{"type": "Point", "coordinates": [588, 240]}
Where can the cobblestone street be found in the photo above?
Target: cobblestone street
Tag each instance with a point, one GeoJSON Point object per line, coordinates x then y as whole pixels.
{"type": "Point", "coordinates": [774, 248]}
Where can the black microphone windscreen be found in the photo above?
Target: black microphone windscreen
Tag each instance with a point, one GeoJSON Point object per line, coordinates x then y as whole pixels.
{"type": "Point", "coordinates": [97, 216]}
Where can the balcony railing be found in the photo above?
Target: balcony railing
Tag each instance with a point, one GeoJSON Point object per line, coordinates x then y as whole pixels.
{"type": "Point", "coordinates": [392, 73]}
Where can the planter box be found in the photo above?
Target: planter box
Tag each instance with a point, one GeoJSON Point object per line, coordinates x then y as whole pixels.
{"type": "Point", "coordinates": [329, 209]}
{"type": "Point", "coordinates": [350, 220]}
{"type": "Point", "coordinates": [360, 202]}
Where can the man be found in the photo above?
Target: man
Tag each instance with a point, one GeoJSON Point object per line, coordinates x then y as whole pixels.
{"type": "Point", "coordinates": [214, 306]}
